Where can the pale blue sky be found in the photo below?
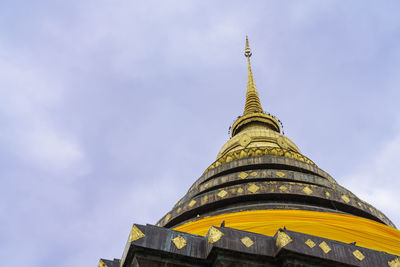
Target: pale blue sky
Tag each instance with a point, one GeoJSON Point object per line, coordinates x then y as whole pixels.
{"type": "Point", "coordinates": [110, 110]}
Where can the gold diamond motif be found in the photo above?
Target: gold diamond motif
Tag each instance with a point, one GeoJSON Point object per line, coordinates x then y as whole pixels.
{"type": "Point", "coordinates": [167, 217]}
{"type": "Point", "coordinates": [243, 175]}
{"type": "Point", "coordinates": [102, 264]}
{"type": "Point", "coordinates": [179, 242]}
{"type": "Point", "coordinates": [191, 203]}
{"type": "Point", "coordinates": [282, 239]}
{"type": "Point", "coordinates": [214, 235]}
{"type": "Point", "coordinates": [358, 255]}
{"type": "Point", "coordinates": [359, 204]}
{"type": "Point", "coordinates": [327, 194]}
{"type": "Point", "coordinates": [394, 263]}
{"type": "Point", "coordinates": [307, 190]}
{"type": "Point", "coordinates": [240, 190]}
{"type": "Point", "coordinates": [280, 174]}
{"type": "Point", "coordinates": [178, 210]}
{"type": "Point", "coordinates": [253, 188]}
{"type": "Point", "coordinates": [310, 243]}
{"type": "Point", "coordinates": [222, 193]}
{"type": "Point", "coordinates": [135, 234]}
{"type": "Point", "coordinates": [244, 140]}
{"type": "Point", "coordinates": [345, 198]}
{"type": "Point", "coordinates": [247, 241]}
{"type": "Point", "coordinates": [324, 246]}
{"type": "Point", "coordinates": [283, 188]}
{"type": "Point", "coordinates": [254, 174]}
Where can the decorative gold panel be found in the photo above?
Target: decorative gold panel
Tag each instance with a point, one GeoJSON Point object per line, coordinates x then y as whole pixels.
{"type": "Point", "coordinates": [394, 263]}
{"type": "Point", "coordinates": [345, 198]}
{"type": "Point", "coordinates": [358, 255]}
{"type": "Point", "coordinates": [247, 241]}
{"type": "Point", "coordinates": [307, 190]}
{"type": "Point", "coordinates": [167, 217]}
{"type": "Point", "coordinates": [214, 235]}
{"type": "Point", "coordinates": [283, 188]}
{"type": "Point", "coordinates": [102, 264]}
{"type": "Point", "coordinates": [280, 174]}
{"type": "Point", "coordinates": [253, 174]}
{"type": "Point", "coordinates": [222, 193]}
{"type": "Point", "coordinates": [324, 246]}
{"type": "Point", "coordinates": [310, 243]}
{"type": "Point", "coordinates": [179, 242]}
{"type": "Point", "coordinates": [327, 194]}
{"type": "Point", "coordinates": [240, 190]}
{"type": "Point", "coordinates": [178, 210]}
{"type": "Point", "coordinates": [253, 188]}
{"type": "Point", "coordinates": [282, 239]}
{"type": "Point", "coordinates": [192, 203]}
{"type": "Point", "coordinates": [243, 175]}
{"type": "Point", "coordinates": [135, 234]}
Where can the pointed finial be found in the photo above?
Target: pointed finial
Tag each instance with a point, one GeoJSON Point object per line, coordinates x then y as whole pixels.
{"type": "Point", "coordinates": [253, 104]}
{"type": "Point", "coordinates": [247, 51]}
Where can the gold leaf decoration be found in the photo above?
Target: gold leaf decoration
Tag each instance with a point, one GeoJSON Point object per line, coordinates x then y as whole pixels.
{"type": "Point", "coordinates": [214, 235]}
{"type": "Point", "coordinates": [244, 140]}
{"type": "Point", "coordinates": [307, 190]}
{"type": "Point", "coordinates": [358, 255]}
{"type": "Point", "coordinates": [254, 174]}
{"type": "Point", "coordinates": [280, 174]}
{"type": "Point", "coordinates": [222, 193]}
{"type": "Point", "coordinates": [178, 210]}
{"type": "Point", "coordinates": [191, 203]}
{"type": "Point", "coordinates": [179, 242]}
{"type": "Point", "coordinates": [240, 190]}
{"type": "Point", "coordinates": [282, 239]}
{"type": "Point", "coordinates": [324, 246]}
{"type": "Point", "coordinates": [167, 217]}
{"type": "Point", "coordinates": [253, 188]}
{"type": "Point", "coordinates": [395, 262]}
{"type": "Point", "coordinates": [247, 241]}
{"type": "Point", "coordinates": [243, 175]}
{"type": "Point", "coordinates": [283, 188]}
{"type": "Point", "coordinates": [327, 194]}
{"type": "Point", "coordinates": [310, 243]}
{"type": "Point", "coordinates": [102, 264]}
{"type": "Point", "coordinates": [345, 198]}
{"type": "Point", "coordinates": [135, 234]}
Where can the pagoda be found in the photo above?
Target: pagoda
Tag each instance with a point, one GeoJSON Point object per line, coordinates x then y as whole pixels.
{"type": "Point", "coordinates": [263, 203]}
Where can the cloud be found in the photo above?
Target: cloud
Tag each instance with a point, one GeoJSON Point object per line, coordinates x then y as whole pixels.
{"type": "Point", "coordinates": [377, 181]}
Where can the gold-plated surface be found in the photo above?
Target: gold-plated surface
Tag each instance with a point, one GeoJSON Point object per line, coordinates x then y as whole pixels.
{"type": "Point", "coordinates": [244, 140]}
{"type": "Point", "coordinates": [358, 255]}
{"type": "Point", "coordinates": [253, 188]}
{"type": "Point", "coordinates": [282, 239]}
{"type": "Point", "coordinates": [324, 246]}
{"type": "Point", "coordinates": [179, 242]}
{"type": "Point", "coordinates": [253, 103]}
{"type": "Point", "coordinates": [310, 243]}
{"type": "Point", "coordinates": [243, 175]}
{"type": "Point", "coordinates": [247, 241]}
{"type": "Point", "coordinates": [258, 151]}
{"type": "Point", "coordinates": [102, 264]}
{"type": "Point", "coordinates": [280, 174]}
{"type": "Point", "coordinates": [345, 198]}
{"type": "Point", "coordinates": [307, 190]}
{"type": "Point", "coordinates": [394, 263]}
{"type": "Point", "coordinates": [222, 193]}
{"type": "Point", "coordinates": [135, 234]}
{"type": "Point", "coordinates": [214, 235]}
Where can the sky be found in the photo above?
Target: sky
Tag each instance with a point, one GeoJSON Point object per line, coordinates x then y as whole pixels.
{"type": "Point", "coordinates": [110, 110]}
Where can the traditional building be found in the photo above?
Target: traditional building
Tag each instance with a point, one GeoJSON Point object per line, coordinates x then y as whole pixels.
{"type": "Point", "coordinates": [263, 203]}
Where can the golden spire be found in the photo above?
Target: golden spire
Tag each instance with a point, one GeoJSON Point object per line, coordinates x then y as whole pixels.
{"type": "Point", "coordinates": [253, 104]}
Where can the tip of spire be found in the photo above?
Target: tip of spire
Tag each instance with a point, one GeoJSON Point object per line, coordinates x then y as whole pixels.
{"type": "Point", "coordinates": [247, 51]}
